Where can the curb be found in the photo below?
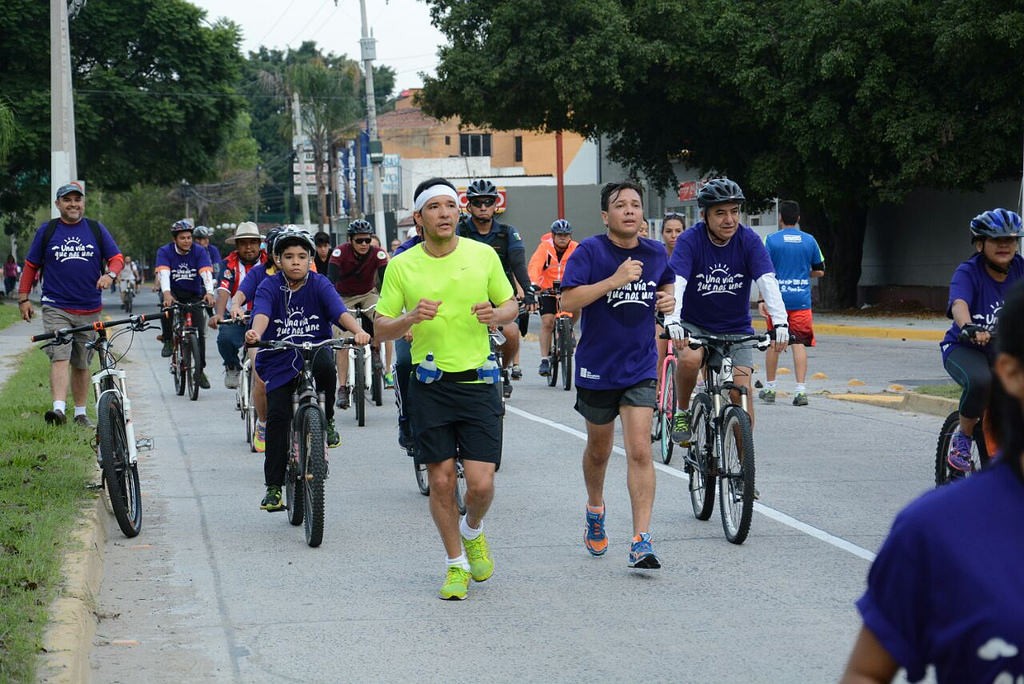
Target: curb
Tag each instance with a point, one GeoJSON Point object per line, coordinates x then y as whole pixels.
{"type": "Point", "coordinates": [67, 641]}
{"type": "Point", "coordinates": [917, 403]}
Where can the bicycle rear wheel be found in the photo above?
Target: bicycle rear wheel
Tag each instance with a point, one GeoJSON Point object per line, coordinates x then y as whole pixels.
{"type": "Point", "coordinates": [178, 367]}
{"type": "Point", "coordinates": [120, 478]}
{"type": "Point", "coordinates": [359, 386]}
{"type": "Point", "coordinates": [565, 351]}
{"type": "Point", "coordinates": [553, 357]}
{"type": "Point", "coordinates": [700, 457]}
{"type": "Point", "coordinates": [245, 385]}
{"type": "Point", "coordinates": [736, 486]}
{"type": "Point", "coordinates": [460, 486]}
{"type": "Point", "coordinates": [314, 459]}
{"type": "Point", "coordinates": [666, 412]}
{"type": "Point", "coordinates": [195, 369]}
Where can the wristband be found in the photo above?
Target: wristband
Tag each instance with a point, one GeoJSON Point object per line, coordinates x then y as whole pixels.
{"type": "Point", "coordinates": [780, 325]}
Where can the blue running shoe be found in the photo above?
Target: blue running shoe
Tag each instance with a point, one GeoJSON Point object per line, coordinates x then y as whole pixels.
{"type": "Point", "coordinates": [595, 539]}
{"type": "Point", "coordinates": [641, 555]}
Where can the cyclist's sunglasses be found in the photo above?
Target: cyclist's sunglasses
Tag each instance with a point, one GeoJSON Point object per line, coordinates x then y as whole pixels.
{"type": "Point", "coordinates": [362, 241]}
{"type": "Point", "coordinates": [482, 201]}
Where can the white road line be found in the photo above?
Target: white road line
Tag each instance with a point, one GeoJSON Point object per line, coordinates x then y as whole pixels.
{"type": "Point", "coordinates": [775, 515]}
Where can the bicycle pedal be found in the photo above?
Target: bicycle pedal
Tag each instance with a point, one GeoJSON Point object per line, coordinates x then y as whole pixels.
{"type": "Point", "coordinates": [144, 443]}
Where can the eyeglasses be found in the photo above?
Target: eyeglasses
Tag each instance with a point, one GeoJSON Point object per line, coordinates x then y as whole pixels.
{"type": "Point", "coordinates": [482, 202]}
{"type": "Point", "coordinates": [362, 241]}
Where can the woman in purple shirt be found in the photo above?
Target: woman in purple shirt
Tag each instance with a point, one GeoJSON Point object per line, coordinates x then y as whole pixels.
{"type": "Point", "coordinates": [976, 296]}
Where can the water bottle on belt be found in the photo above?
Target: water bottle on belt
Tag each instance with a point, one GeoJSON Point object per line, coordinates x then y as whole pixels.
{"type": "Point", "coordinates": [490, 372]}
{"type": "Point", "coordinates": [427, 370]}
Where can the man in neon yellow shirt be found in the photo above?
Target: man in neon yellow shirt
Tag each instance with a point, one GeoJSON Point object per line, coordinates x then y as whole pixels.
{"type": "Point", "coordinates": [444, 291]}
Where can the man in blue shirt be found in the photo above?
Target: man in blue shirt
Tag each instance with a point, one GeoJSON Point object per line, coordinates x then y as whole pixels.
{"type": "Point", "coordinates": [797, 258]}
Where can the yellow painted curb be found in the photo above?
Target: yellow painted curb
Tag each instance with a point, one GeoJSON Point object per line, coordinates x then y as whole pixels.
{"type": "Point", "coordinates": [67, 641]}
{"type": "Point", "coordinates": [916, 403]}
{"type": "Point", "coordinates": [886, 400]}
{"type": "Point", "coordinates": [916, 334]}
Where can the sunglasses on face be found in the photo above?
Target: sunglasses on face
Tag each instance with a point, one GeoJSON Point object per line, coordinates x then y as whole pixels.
{"type": "Point", "coordinates": [362, 241]}
{"type": "Point", "coordinates": [484, 202]}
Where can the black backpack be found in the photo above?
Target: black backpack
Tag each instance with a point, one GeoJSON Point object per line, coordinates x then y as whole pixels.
{"type": "Point", "coordinates": [51, 228]}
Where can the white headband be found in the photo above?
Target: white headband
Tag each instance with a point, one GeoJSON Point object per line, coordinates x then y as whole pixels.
{"type": "Point", "coordinates": [439, 190]}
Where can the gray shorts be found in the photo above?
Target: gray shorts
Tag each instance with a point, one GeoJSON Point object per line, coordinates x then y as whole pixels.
{"type": "Point", "coordinates": [743, 356]}
{"type": "Point", "coordinates": [76, 352]}
{"type": "Point", "coordinates": [601, 406]}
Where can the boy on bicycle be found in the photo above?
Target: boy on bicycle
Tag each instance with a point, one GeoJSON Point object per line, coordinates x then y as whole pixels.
{"type": "Point", "coordinates": [297, 305]}
{"type": "Point", "coordinates": [976, 295]}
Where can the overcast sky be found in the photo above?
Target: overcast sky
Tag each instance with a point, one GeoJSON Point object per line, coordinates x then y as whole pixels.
{"type": "Point", "coordinates": [406, 41]}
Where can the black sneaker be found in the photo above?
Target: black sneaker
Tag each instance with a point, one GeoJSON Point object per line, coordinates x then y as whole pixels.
{"type": "Point", "coordinates": [517, 372]}
{"type": "Point", "coordinates": [83, 421]}
{"type": "Point", "coordinates": [55, 417]}
{"type": "Point", "coordinates": [167, 350]}
{"type": "Point", "coordinates": [203, 382]}
{"type": "Point", "coordinates": [342, 401]}
{"type": "Point", "coordinates": [272, 501]}
{"type": "Point", "coordinates": [506, 390]}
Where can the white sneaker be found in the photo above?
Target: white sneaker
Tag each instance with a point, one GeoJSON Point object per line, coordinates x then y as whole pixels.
{"type": "Point", "coordinates": [231, 378]}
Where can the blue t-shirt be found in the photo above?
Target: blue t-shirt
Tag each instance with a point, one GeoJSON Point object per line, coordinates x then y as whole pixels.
{"type": "Point", "coordinates": [617, 348]}
{"type": "Point", "coordinates": [794, 255]}
{"type": "Point", "coordinates": [947, 587]}
{"type": "Point", "coordinates": [184, 267]}
{"type": "Point", "coordinates": [984, 297]}
{"type": "Point", "coordinates": [252, 279]}
{"type": "Point", "coordinates": [72, 263]}
{"type": "Point", "coordinates": [718, 278]}
{"type": "Point", "coordinates": [305, 315]}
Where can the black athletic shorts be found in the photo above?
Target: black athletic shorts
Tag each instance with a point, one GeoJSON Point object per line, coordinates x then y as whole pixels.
{"type": "Point", "coordinates": [456, 417]}
{"type": "Point", "coordinates": [601, 406]}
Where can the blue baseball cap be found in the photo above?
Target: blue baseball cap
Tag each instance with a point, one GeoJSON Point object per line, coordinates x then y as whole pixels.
{"type": "Point", "coordinates": [69, 188]}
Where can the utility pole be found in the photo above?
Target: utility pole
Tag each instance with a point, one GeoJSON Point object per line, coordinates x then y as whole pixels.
{"type": "Point", "coordinates": [368, 50]}
{"type": "Point", "coordinates": [299, 140]}
{"type": "Point", "coordinates": [63, 160]}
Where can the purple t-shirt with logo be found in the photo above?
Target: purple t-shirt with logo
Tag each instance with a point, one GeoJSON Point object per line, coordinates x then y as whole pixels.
{"type": "Point", "coordinates": [252, 279]}
{"type": "Point", "coordinates": [617, 347]}
{"type": "Point", "coordinates": [718, 278]}
{"type": "Point", "coordinates": [984, 297]}
{"type": "Point", "coordinates": [184, 267]}
{"type": "Point", "coordinates": [72, 263]}
{"type": "Point", "coordinates": [305, 315]}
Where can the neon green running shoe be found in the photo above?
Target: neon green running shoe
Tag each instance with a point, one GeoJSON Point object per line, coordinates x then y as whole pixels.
{"type": "Point", "coordinates": [479, 553]}
{"type": "Point", "coordinates": [456, 584]}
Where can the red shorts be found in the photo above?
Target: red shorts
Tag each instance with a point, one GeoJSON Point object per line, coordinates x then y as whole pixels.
{"type": "Point", "coordinates": [801, 327]}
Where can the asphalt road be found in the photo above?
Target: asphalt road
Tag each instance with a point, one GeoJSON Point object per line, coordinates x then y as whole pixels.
{"type": "Point", "coordinates": [216, 590]}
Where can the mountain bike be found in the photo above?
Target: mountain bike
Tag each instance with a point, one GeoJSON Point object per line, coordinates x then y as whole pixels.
{"type": "Point", "coordinates": [116, 444]}
{"type": "Point", "coordinates": [982, 449]}
{"type": "Point", "coordinates": [722, 444]}
{"type": "Point", "coordinates": [563, 341]}
{"type": "Point", "coordinates": [665, 412]}
{"type": "Point", "coordinates": [307, 439]}
{"type": "Point", "coordinates": [186, 357]}
{"type": "Point", "coordinates": [359, 371]}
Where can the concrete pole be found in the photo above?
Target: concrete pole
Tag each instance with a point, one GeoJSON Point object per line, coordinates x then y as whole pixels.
{"type": "Point", "coordinates": [63, 162]}
{"type": "Point", "coordinates": [299, 141]}
{"type": "Point", "coordinates": [368, 53]}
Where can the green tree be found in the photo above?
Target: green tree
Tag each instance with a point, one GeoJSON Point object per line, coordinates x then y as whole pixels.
{"type": "Point", "coordinates": [842, 104]}
{"type": "Point", "coordinates": [154, 93]}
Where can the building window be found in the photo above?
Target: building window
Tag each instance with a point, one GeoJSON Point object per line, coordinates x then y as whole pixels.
{"type": "Point", "coordinates": [447, 140]}
{"type": "Point", "coordinates": [475, 144]}
{"type": "Point", "coordinates": [519, 148]}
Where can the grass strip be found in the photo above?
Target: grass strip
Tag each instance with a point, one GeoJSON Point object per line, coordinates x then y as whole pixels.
{"type": "Point", "coordinates": [948, 390]}
{"type": "Point", "coordinates": [44, 473]}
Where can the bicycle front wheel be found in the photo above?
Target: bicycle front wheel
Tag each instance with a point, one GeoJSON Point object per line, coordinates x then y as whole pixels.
{"type": "Point", "coordinates": [460, 487]}
{"type": "Point", "coordinates": [120, 477]}
{"type": "Point", "coordinates": [666, 412]}
{"type": "Point", "coordinates": [178, 364]}
{"type": "Point", "coordinates": [565, 352]}
{"type": "Point", "coordinates": [195, 368]}
{"type": "Point", "coordinates": [245, 387]}
{"type": "Point", "coordinates": [359, 386]}
{"type": "Point", "coordinates": [553, 358]}
{"type": "Point", "coordinates": [314, 459]}
{"type": "Point", "coordinates": [293, 489]}
{"type": "Point", "coordinates": [736, 479]}
{"type": "Point", "coordinates": [128, 297]}
{"type": "Point", "coordinates": [700, 458]}
{"type": "Point", "coordinates": [422, 481]}
{"type": "Point", "coordinates": [376, 377]}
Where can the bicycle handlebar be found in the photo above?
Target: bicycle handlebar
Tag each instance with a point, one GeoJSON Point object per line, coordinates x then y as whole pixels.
{"type": "Point", "coordinates": [62, 334]}
{"type": "Point", "coordinates": [341, 343]}
{"type": "Point", "coordinates": [697, 339]}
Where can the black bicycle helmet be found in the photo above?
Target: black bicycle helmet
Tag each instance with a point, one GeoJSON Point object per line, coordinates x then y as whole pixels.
{"type": "Point", "coordinates": [561, 227]}
{"type": "Point", "coordinates": [719, 191]}
{"type": "Point", "coordinates": [203, 232]}
{"type": "Point", "coordinates": [360, 227]}
{"type": "Point", "coordinates": [995, 224]}
{"type": "Point", "coordinates": [293, 236]}
{"type": "Point", "coordinates": [271, 238]}
{"type": "Point", "coordinates": [182, 225]}
{"type": "Point", "coordinates": [481, 188]}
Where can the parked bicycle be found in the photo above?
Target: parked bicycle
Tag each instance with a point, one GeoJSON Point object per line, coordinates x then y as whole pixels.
{"type": "Point", "coordinates": [186, 357]}
{"type": "Point", "coordinates": [116, 444]}
{"type": "Point", "coordinates": [307, 439]}
{"type": "Point", "coordinates": [722, 444]}
{"type": "Point", "coordinates": [665, 411]}
{"type": "Point", "coordinates": [563, 341]}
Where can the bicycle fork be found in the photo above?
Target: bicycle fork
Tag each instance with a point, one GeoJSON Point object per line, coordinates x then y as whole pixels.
{"type": "Point", "coordinates": [118, 376]}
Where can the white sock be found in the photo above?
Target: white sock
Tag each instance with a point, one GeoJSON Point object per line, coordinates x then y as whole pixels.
{"type": "Point", "coordinates": [769, 385]}
{"type": "Point", "coordinates": [801, 389]}
{"type": "Point", "coordinates": [461, 562]}
{"type": "Point", "coordinates": [468, 532]}
{"type": "Point", "coordinates": [60, 405]}
{"type": "Point", "coordinates": [79, 411]}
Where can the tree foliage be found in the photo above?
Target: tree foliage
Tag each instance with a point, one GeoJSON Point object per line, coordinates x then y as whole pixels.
{"type": "Point", "coordinates": [154, 93]}
{"type": "Point", "coordinates": [842, 104]}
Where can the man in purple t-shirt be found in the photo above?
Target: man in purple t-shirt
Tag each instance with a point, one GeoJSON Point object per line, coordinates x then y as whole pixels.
{"type": "Point", "coordinates": [618, 281]}
{"type": "Point", "coordinates": [715, 263]}
{"type": "Point", "coordinates": [76, 270]}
